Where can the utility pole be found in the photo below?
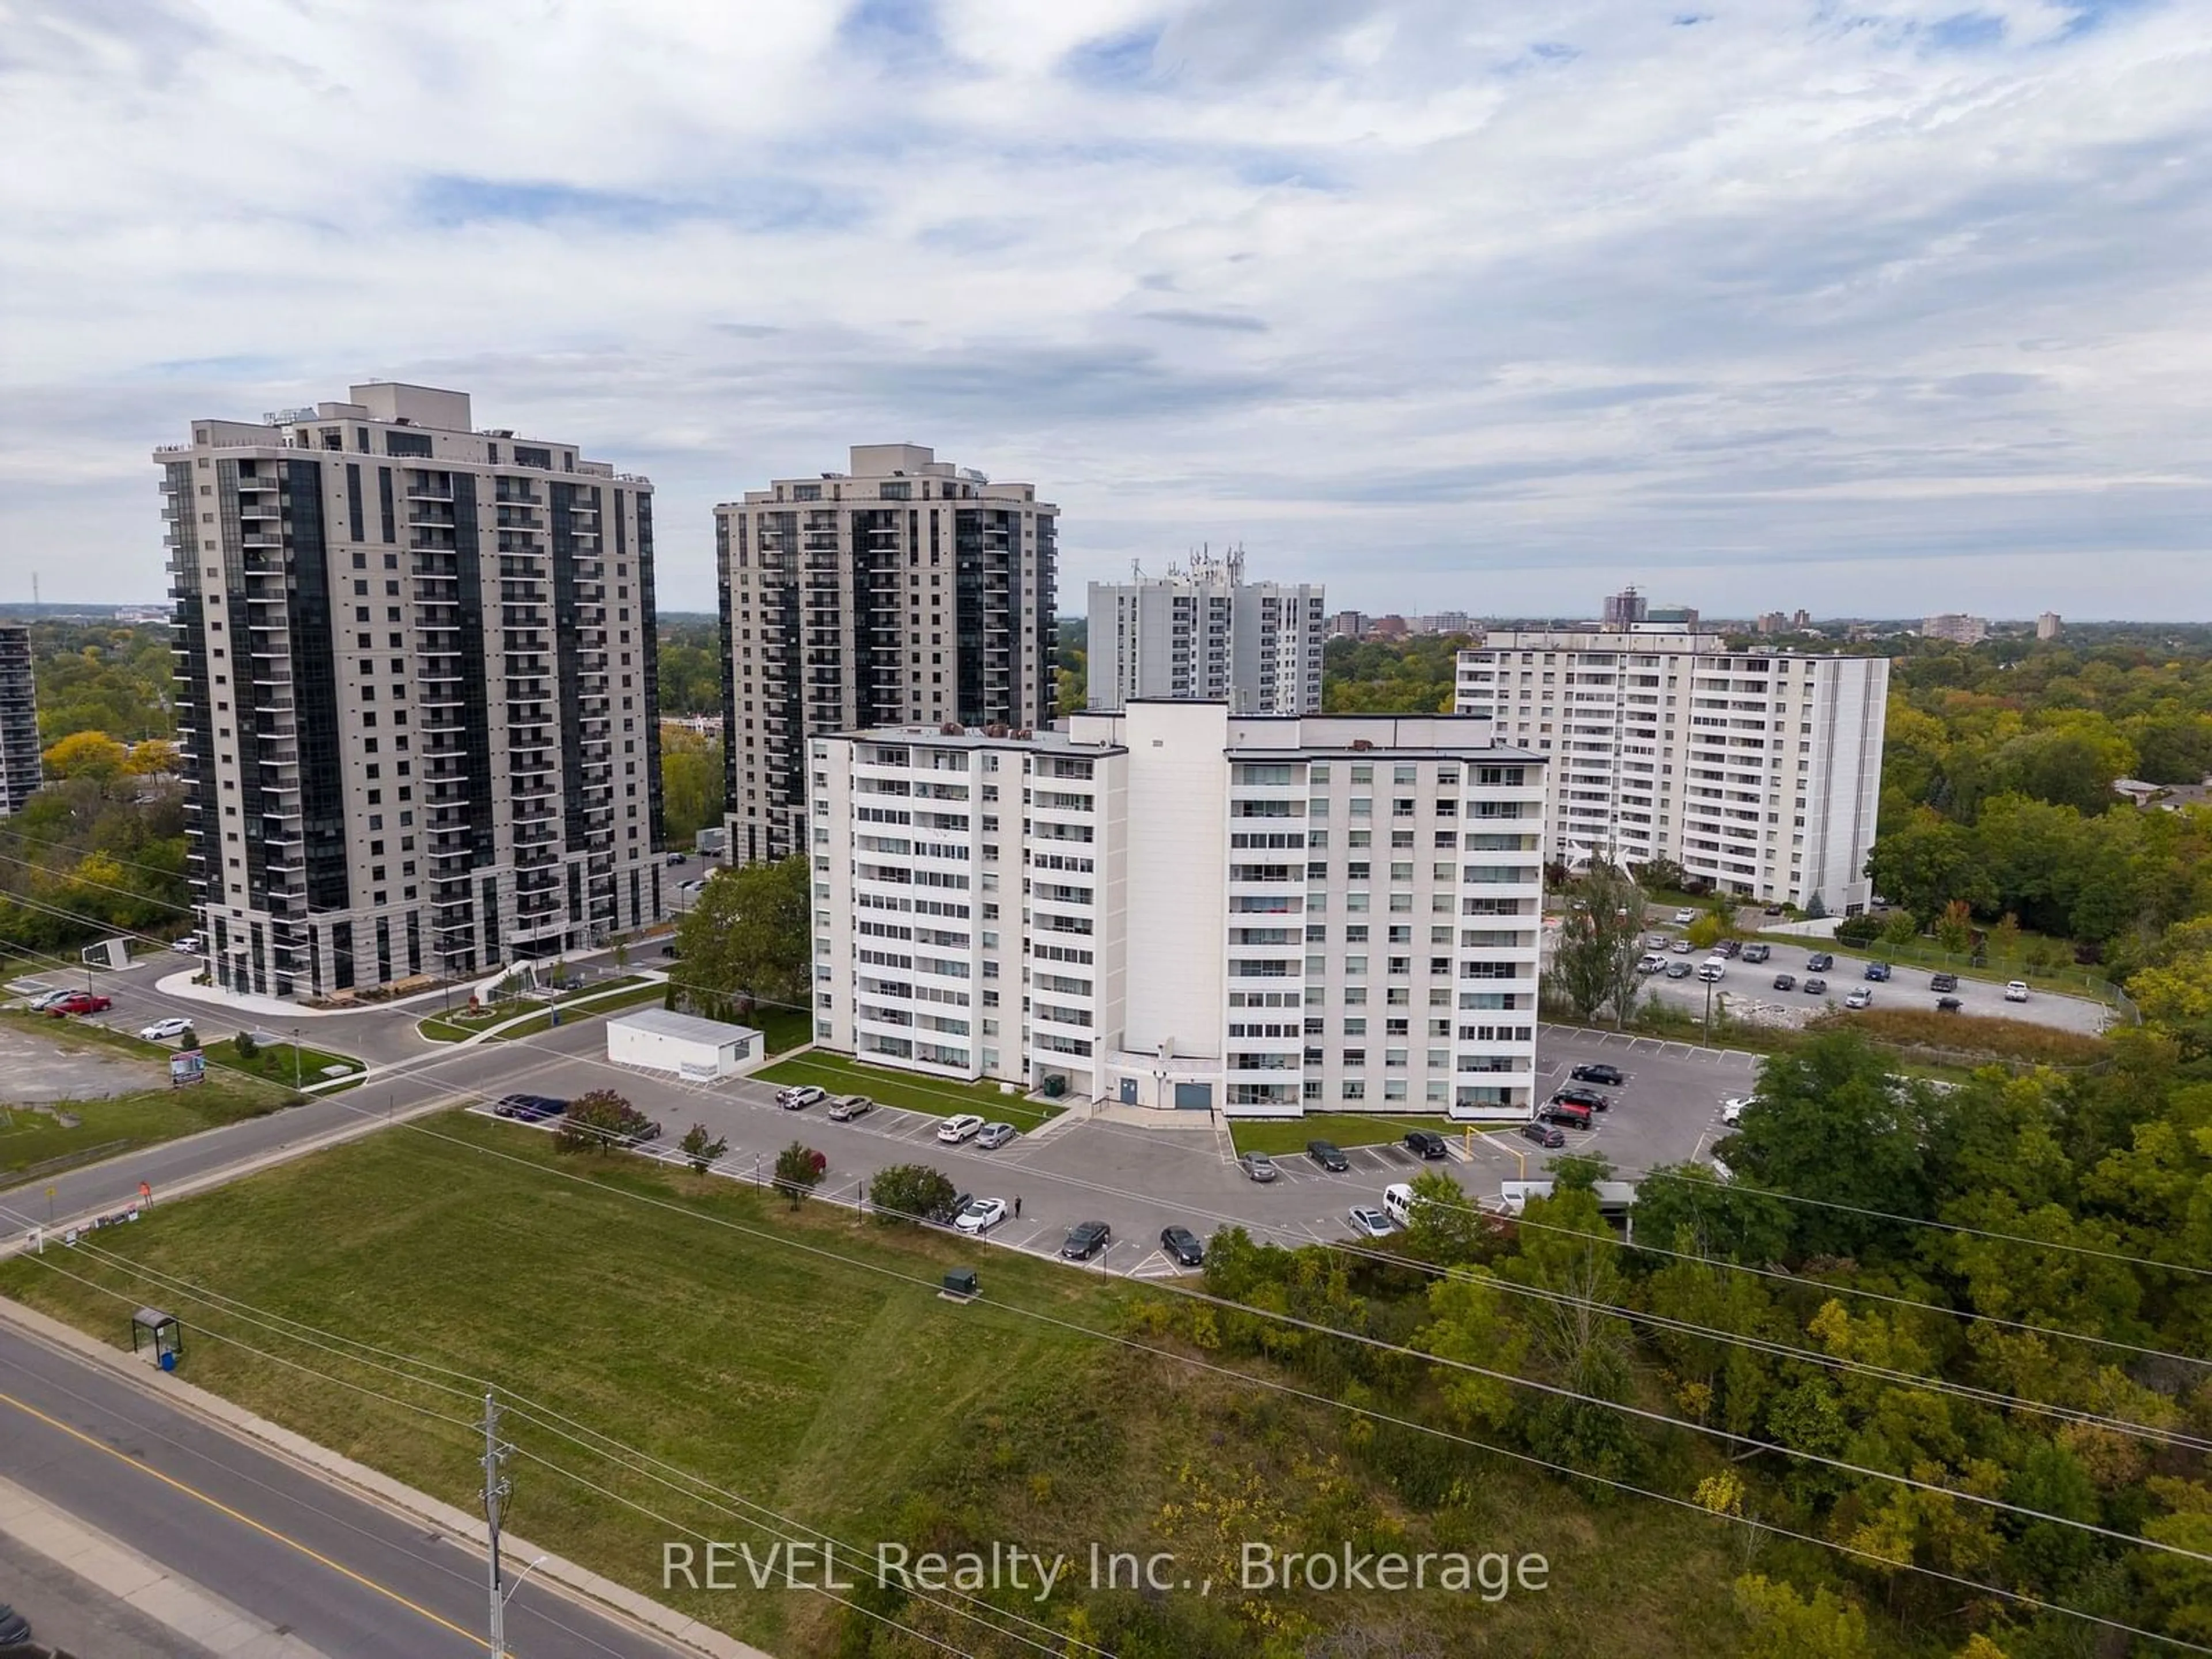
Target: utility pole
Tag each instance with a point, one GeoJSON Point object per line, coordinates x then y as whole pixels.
{"type": "Point", "coordinates": [495, 1489]}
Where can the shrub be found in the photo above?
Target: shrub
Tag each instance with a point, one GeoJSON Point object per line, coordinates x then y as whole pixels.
{"type": "Point", "coordinates": [909, 1192]}
{"type": "Point", "coordinates": [699, 1149]}
{"type": "Point", "coordinates": [603, 1121]}
{"type": "Point", "coordinates": [798, 1170]}
{"type": "Point", "coordinates": [247, 1048]}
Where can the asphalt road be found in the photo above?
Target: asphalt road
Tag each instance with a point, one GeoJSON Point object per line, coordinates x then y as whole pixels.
{"type": "Point", "coordinates": [67, 1612]}
{"type": "Point", "coordinates": [342, 1574]}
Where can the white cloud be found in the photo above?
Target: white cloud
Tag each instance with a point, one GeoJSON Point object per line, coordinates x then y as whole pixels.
{"type": "Point", "coordinates": [1476, 307]}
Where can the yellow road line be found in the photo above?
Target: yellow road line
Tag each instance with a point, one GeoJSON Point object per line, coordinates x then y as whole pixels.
{"type": "Point", "coordinates": [221, 1508]}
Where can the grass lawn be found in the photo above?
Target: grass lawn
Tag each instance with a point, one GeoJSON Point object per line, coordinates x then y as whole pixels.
{"type": "Point", "coordinates": [274, 1061]}
{"type": "Point", "coordinates": [1276, 1136]}
{"type": "Point", "coordinates": [107, 1128]}
{"type": "Point", "coordinates": [461, 1024]}
{"type": "Point", "coordinates": [783, 1029]}
{"type": "Point", "coordinates": [846, 1398]}
{"type": "Point", "coordinates": [944, 1096]}
{"type": "Point", "coordinates": [635, 995]}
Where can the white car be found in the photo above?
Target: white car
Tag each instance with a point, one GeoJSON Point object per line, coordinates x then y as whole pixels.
{"type": "Point", "coordinates": [1651, 962]}
{"type": "Point", "coordinates": [954, 1130]}
{"type": "Point", "coordinates": [1861, 998]}
{"type": "Point", "coordinates": [188, 946]}
{"type": "Point", "coordinates": [981, 1215]}
{"type": "Point", "coordinates": [2016, 990]}
{"type": "Point", "coordinates": [1732, 1108]}
{"type": "Point", "coordinates": [1713, 967]}
{"type": "Point", "coordinates": [1684, 918]}
{"type": "Point", "coordinates": [799, 1097]}
{"type": "Point", "coordinates": [162, 1029]}
{"type": "Point", "coordinates": [1368, 1220]}
{"type": "Point", "coordinates": [691, 887]}
{"type": "Point", "coordinates": [45, 1000]}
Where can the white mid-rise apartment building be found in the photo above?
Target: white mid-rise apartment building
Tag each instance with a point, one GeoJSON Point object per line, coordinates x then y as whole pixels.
{"type": "Point", "coordinates": [1176, 907]}
{"type": "Point", "coordinates": [1203, 632]}
{"type": "Point", "coordinates": [1759, 771]}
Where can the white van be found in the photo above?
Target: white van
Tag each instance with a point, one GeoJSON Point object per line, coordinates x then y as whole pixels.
{"type": "Point", "coordinates": [1398, 1203]}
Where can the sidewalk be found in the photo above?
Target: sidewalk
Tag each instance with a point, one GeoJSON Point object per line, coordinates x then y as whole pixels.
{"type": "Point", "coordinates": [366, 1483]}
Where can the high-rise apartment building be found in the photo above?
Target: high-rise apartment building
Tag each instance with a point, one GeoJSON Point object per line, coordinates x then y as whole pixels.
{"type": "Point", "coordinates": [416, 687]}
{"type": "Point", "coordinates": [1957, 628]}
{"type": "Point", "coordinates": [2049, 625]}
{"type": "Point", "coordinates": [19, 764]}
{"type": "Point", "coordinates": [1759, 771]}
{"type": "Point", "coordinates": [1202, 631]}
{"type": "Point", "coordinates": [906, 589]}
{"type": "Point", "coordinates": [1176, 907]}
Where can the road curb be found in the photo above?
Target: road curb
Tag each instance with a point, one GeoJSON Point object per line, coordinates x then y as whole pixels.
{"type": "Point", "coordinates": [606, 1596]}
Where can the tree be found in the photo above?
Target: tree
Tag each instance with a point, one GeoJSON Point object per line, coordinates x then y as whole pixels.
{"type": "Point", "coordinates": [1831, 1124]}
{"type": "Point", "coordinates": [798, 1170]}
{"type": "Point", "coordinates": [910, 1192]}
{"type": "Point", "coordinates": [1704, 933]}
{"type": "Point", "coordinates": [1442, 1227]}
{"type": "Point", "coordinates": [1899, 929]}
{"type": "Point", "coordinates": [1468, 1323]}
{"type": "Point", "coordinates": [690, 784]}
{"type": "Point", "coordinates": [88, 755]}
{"type": "Point", "coordinates": [602, 1121]}
{"type": "Point", "coordinates": [1594, 962]}
{"type": "Point", "coordinates": [1926, 864]}
{"type": "Point", "coordinates": [699, 1149]}
{"type": "Point", "coordinates": [1784, 1625]}
{"type": "Point", "coordinates": [752, 934]}
{"type": "Point", "coordinates": [153, 756]}
{"type": "Point", "coordinates": [1955, 928]}
{"type": "Point", "coordinates": [2072, 766]}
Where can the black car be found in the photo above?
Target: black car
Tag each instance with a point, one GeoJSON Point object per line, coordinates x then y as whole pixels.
{"type": "Point", "coordinates": [529, 1109]}
{"type": "Point", "coordinates": [14, 1629]}
{"type": "Point", "coordinates": [1948, 1004]}
{"type": "Point", "coordinates": [946, 1215]}
{"type": "Point", "coordinates": [670, 950]}
{"type": "Point", "coordinates": [1814, 988]}
{"type": "Point", "coordinates": [1876, 971]}
{"type": "Point", "coordinates": [1586, 1097]}
{"type": "Point", "coordinates": [1945, 983]}
{"type": "Point", "coordinates": [1326, 1154]}
{"type": "Point", "coordinates": [1544, 1134]}
{"type": "Point", "coordinates": [1819, 963]}
{"type": "Point", "coordinates": [1612, 1076]}
{"type": "Point", "coordinates": [1085, 1239]}
{"type": "Point", "coordinates": [1426, 1143]}
{"type": "Point", "coordinates": [1771, 910]}
{"type": "Point", "coordinates": [1731, 948]}
{"type": "Point", "coordinates": [1183, 1247]}
{"type": "Point", "coordinates": [1785, 981]}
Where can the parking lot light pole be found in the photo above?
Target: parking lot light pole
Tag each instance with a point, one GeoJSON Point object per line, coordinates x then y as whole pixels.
{"type": "Point", "coordinates": [296, 1060]}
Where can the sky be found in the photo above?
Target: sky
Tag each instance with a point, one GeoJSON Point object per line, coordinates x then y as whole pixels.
{"type": "Point", "coordinates": [1876, 309]}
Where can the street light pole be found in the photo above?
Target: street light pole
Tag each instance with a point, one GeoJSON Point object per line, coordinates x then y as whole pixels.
{"type": "Point", "coordinates": [296, 1060]}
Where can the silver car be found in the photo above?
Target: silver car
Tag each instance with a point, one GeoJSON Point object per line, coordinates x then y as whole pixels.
{"type": "Point", "coordinates": [994, 1135]}
{"type": "Point", "coordinates": [1258, 1165]}
{"type": "Point", "coordinates": [850, 1107]}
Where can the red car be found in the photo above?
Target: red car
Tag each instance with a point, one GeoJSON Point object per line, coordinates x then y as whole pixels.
{"type": "Point", "coordinates": [80, 1002]}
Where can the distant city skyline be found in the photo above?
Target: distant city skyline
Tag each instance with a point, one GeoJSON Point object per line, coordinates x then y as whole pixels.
{"type": "Point", "coordinates": [1488, 310]}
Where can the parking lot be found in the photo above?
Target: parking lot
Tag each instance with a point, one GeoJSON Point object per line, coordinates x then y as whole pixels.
{"type": "Point", "coordinates": [1749, 992]}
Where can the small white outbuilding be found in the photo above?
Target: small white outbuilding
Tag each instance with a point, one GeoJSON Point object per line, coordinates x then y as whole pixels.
{"type": "Point", "coordinates": [697, 1050]}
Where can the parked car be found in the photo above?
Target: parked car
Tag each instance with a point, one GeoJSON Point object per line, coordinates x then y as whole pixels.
{"type": "Point", "coordinates": [44, 999]}
{"type": "Point", "coordinates": [1771, 910]}
{"type": "Point", "coordinates": [1258, 1165]}
{"type": "Point", "coordinates": [162, 1029]}
{"type": "Point", "coordinates": [1731, 948]}
{"type": "Point", "coordinates": [1785, 981]}
{"type": "Point", "coordinates": [1612, 1076]}
{"type": "Point", "coordinates": [1426, 1143]}
{"type": "Point", "coordinates": [671, 951]}
{"type": "Point", "coordinates": [188, 946]}
{"type": "Point", "coordinates": [799, 1097]}
{"type": "Point", "coordinates": [1369, 1221]}
{"type": "Point", "coordinates": [1819, 963]}
{"type": "Point", "coordinates": [1712, 969]}
{"type": "Point", "coordinates": [1679, 970]}
{"type": "Point", "coordinates": [980, 1215]}
{"type": "Point", "coordinates": [1942, 981]}
{"type": "Point", "coordinates": [1589, 1097]}
{"type": "Point", "coordinates": [529, 1109]}
{"type": "Point", "coordinates": [1877, 971]}
{"type": "Point", "coordinates": [947, 1215]}
{"type": "Point", "coordinates": [1084, 1240]}
{"type": "Point", "coordinates": [14, 1629]}
{"type": "Point", "coordinates": [1754, 954]}
{"type": "Point", "coordinates": [1814, 988]}
{"type": "Point", "coordinates": [1732, 1108]}
{"type": "Point", "coordinates": [1681, 947]}
{"type": "Point", "coordinates": [852, 1106]}
{"type": "Point", "coordinates": [2016, 990]}
{"type": "Point", "coordinates": [675, 858]}
{"type": "Point", "coordinates": [1543, 1134]}
{"type": "Point", "coordinates": [966, 1125]}
{"type": "Point", "coordinates": [1860, 997]}
{"type": "Point", "coordinates": [1572, 1113]}
{"type": "Point", "coordinates": [1325, 1153]}
{"type": "Point", "coordinates": [1684, 918]}
{"type": "Point", "coordinates": [691, 887]}
{"type": "Point", "coordinates": [80, 1002]}
{"type": "Point", "coordinates": [1183, 1247]}
{"type": "Point", "coordinates": [1657, 941]}
{"type": "Point", "coordinates": [1651, 962]}
{"type": "Point", "coordinates": [994, 1135]}
{"type": "Point", "coordinates": [1948, 1004]}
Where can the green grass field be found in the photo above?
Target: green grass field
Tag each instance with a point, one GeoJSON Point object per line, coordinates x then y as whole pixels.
{"type": "Point", "coordinates": [824, 1383]}
{"type": "Point", "coordinates": [634, 996]}
{"type": "Point", "coordinates": [1280, 1135]}
{"type": "Point", "coordinates": [273, 1062]}
{"type": "Point", "coordinates": [107, 1127]}
{"type": "Point", "coordinates": [841, 1075]}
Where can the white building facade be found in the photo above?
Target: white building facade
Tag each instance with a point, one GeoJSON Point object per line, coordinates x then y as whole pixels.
{"type": "Point", "coordinates": [1202, 632]}
{"type": "Point", "coordinates": [1759, 771]}
{"type": "Point", "coordinates": [1174, 907]}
